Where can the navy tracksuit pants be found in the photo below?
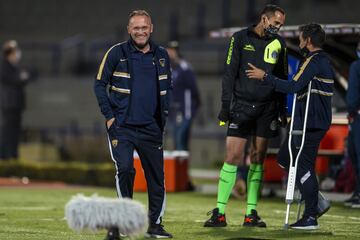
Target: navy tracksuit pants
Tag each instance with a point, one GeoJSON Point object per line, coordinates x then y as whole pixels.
{"type": "Point", "coordinates": [147, 141]}
{"type": "Point", "coordinates": [306, 179]}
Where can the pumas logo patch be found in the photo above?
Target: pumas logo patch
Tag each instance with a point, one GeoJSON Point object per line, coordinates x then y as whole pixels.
{"type": "Point", "coordinates": [162, 62]}
{"type": "Point", "coordinates": [249, 47]}
{"type": "Point", "coordinates": [114, 142]}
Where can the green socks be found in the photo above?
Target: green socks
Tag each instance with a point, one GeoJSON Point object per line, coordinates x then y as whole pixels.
{"type": "Point", "coordinates": [253, 186]}
{"type": "Point", "coordinates": [226, 183]}
{"type": "Point", "coordinates": [227, 180]}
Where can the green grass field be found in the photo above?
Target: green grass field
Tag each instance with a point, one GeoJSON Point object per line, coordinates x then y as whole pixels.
{"type": "Point", "coordinates": [33, 213]}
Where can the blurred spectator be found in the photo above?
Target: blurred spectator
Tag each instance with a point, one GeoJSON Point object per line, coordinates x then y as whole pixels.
{"type": "Point", "coordinates": [12, 104]}
{"type": "Point", "coordinates": [185, 102]}
{"type": "Point", "coordinates": [186, 97]}
{"type": "Point", "coordinates": [346, 179]}
{"type": "Point", "coordinates": [353, 105]}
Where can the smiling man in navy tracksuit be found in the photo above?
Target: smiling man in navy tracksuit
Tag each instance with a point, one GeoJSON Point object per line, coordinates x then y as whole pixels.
{"type": "Point", "coordinates": [138, 75]}
{"type": "Point", "coordinates": [316, 68]}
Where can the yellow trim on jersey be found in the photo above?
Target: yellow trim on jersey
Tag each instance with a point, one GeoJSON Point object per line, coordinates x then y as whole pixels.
{"type": "Point", "coordinates": [121, 74]}
{"type": "Point", "coordinates": [101, 68]}
{"type": "Point", "coordinates": [120, 90]}
{"type": "Point", "coordinates": [300, 72]}
{"type": "Point", "coordinates": [301, 96]}
{"type": "Point", "coordinates": [163, 77]}
{"type": "Point", "coordinates": [228, 60]}
{"type": "Point", "coordinates": [286, 65]}
{"type": "Point", "coordinates": [316, 91]}
{"type": "Point", "coordinates": [324, 80]}
{"type": "Point", "coordinates": [249, 47]}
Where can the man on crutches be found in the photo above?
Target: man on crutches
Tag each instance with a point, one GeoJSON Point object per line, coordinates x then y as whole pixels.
{"type": "Point", "coordinates": [313, 81]}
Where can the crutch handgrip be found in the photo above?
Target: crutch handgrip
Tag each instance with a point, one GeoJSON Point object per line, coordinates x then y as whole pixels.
{"type": "Point", "coordinates": [296, 132]}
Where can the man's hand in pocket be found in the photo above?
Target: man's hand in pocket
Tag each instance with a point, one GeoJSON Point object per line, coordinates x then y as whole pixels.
{"type": "Point", "coordinates": [110, 122]}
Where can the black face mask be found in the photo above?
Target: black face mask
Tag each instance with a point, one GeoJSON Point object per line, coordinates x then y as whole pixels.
{"type": "Point", "coordinates": [271, 31]}
{"type": "Point", "coordinates": [304, 51]}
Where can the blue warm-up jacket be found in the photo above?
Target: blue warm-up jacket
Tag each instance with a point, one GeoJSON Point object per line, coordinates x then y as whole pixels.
{"type": "Point", "coordinates": [113, 84]}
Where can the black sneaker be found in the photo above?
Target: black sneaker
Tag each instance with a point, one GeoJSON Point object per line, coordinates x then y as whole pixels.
{"type": "Point", "coordinates": [353, 198]}
{"type": "Point", "coordinates": [190, 187]}
{"type": "Point", "coordinates": [355, 203]}
{"type": "Point", "coordinates": [157, 231]}
{"type": "Point", "coordinates": [323, 205]}
{"type": "Point", "coordinates": [253, 220]}
{"type": "Point", "coordinates": [216, 220]}
{"type": "Point", "coordinates": [124, 236]}
{"type": "Point", "coordinates": [112, 234]}
{"type": "Point", "coordinates": [305, 223]}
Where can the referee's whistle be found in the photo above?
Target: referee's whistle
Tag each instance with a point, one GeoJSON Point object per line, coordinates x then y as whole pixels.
{"type": "Point", "coordinates": [221, 123]}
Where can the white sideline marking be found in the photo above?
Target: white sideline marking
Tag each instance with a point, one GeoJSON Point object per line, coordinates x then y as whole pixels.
{"type": "Point", "coordinates": [334, 216]}
{"type": "Point", "coordinates": [282, 212]}
{"type": "Point", "coordinates": [346, 222]}
{"type": "Point", "coordinates": [47, 219]}
{"type": "Point", "coordinates": [28, 208]}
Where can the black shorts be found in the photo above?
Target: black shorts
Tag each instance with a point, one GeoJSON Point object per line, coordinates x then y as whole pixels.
{"type": "Point", "coordinates": [250, 120]}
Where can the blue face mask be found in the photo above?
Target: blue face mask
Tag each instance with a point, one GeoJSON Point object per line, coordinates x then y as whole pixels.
{"type": "Point", "coordinates": [358, 53]}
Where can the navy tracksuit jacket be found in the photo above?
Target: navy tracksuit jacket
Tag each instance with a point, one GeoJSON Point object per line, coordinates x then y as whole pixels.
{"type": "Point", "coordinates": [116, 73]}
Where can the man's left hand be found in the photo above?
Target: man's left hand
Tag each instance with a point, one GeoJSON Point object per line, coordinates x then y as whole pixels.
{"type": "Point", "coordinates": [254, 72]}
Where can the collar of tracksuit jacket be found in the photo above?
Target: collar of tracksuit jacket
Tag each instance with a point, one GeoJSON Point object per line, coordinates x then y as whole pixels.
{"type": "Point", "coordinates": [122, 78]}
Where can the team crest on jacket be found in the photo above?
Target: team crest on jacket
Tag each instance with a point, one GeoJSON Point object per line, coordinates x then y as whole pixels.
{"type": "Point", "coordinates": [162, 62]}
{"type": "Point", "coordinates": [114, 142]}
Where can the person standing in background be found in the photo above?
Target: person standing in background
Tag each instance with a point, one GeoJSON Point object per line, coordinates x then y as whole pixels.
{"type": "Point", "coordinates": [353, 106]}
{"type": "Point", "coordinates": [185, 100]}
{"type": "Point", "coordinates": [12, 100]}
{"type": "Point", "coordinates": [186, 96]}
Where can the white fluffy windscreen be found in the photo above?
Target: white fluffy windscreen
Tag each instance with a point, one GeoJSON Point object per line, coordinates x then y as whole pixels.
{"type": "Point", "coordinates": [95, 213]}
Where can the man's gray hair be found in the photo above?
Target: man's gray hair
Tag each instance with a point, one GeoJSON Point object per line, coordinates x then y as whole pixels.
{"type": "Point", "coordinates": [139, 12]}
